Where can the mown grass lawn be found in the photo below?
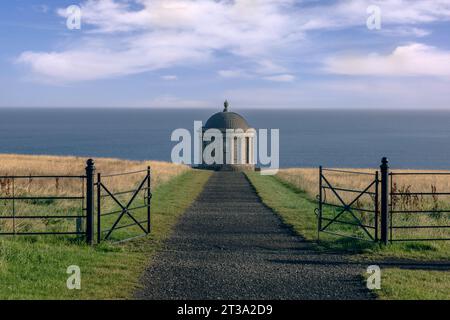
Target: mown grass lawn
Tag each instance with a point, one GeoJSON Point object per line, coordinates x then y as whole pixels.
{"type": "Point", "coordinates": [35, 268]}
{"type": "Point", "coordinates": [415, 284]}
{"type": "Point", "coordinates": [296, 208]}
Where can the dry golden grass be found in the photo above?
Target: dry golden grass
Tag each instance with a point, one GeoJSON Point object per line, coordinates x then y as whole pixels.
{"type": "Point", "coordinates": [307, 179]}
{"type": "Point", "coordinates": [31, 165]}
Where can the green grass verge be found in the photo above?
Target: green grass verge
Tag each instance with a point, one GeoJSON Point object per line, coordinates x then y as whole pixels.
{"type": "Point", "coordinates": [296, 209]}
{"type": "Point", "coordinates": [35, 268]}
{"type": "Point", "coordinates": [400, 284]}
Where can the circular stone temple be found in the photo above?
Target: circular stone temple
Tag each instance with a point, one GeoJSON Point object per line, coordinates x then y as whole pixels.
{"type": "Point", "coordinates": [238, 140]}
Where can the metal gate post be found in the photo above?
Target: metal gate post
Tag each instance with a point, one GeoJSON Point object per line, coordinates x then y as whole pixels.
{"type": "Point", "coordinates": [149, 196]}
{"type": "Point", "coordinates": [319, 216]}
{"type": "Point", "coordinates": [90, 169]}
{"type": "Point", "coordinates": [384, 200]}
{"type": "Point", "coordinates": [377, 208]}
{"type": "Point", "coordinates": [99, 207]}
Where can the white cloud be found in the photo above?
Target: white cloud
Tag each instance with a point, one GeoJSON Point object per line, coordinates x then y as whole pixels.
{"type": "Point", "coordinates": [266, 66]}
{"type": "Point", "coordinates": [411, 60]}
{"type": "Point", "coordinates": [406, 31]}
{"type": "Point", "coordinates": [115, 15]}
{"type": "Point", "coordinates": [233, 73]}
{"type": "Point", "coordinates": [123, 37]}
{"type": "Point", "coordinates": [349, 93]}
{"type": "Point", "coordinates": [281, 78]}
{"type": "Point", "coordinates": [266, 70]}
{"type": "Point", "coordinates": [169, 77]}
{"type": "Point", "coordinates": [142, 53]}
{"type": "Point", "coordinates": [123, 40]}
{"type": "Point", "coordinates": [350, 13]}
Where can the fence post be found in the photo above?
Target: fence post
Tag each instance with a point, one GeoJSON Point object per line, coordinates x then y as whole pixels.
{"type": "Point", "coordinates": [384, 200]}
{"type": "Point", "coordinates": [319, 214]}
{"type": "Point", "coordinates": [377, 208]}
{"type": "Point", "coordinates": [149, 196]}
{"type": "Point", "coordinates": [90, 169]}
{"type": "Point", "coordinates": [99, 207]}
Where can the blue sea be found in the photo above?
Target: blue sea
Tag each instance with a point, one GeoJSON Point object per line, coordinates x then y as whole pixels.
{"type": "Point", "coordinates": [308, 138]}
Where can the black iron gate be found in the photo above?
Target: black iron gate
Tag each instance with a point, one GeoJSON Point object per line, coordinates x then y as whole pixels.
{"type": "Point", "coordinates": [36, 205]}
{"type": "Point", "coordinates": [345, 208]}
{"type": "Point", "coordinates": [128, 212]}
{"type": "Point", "coordinates": [397, 211]}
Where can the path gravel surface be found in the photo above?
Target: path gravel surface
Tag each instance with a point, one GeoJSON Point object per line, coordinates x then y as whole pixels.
{"type": "Point", "coordinates": [229, 245]}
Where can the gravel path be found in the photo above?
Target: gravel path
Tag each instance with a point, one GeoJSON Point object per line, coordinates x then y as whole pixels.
{"type": "Point", "coordinates": [228, 245]}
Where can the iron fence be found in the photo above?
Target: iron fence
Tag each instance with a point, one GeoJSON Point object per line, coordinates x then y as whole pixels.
{"type": "Point", "coordinates": [427, 213]}
{"type": "Point", "coordinates": [397, 213]}
{"type": "Point", "coordinates": [47, 203]}
{"type": "Point", "coordinates": [23, 212]}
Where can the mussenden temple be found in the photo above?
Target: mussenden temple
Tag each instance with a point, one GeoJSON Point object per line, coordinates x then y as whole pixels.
{"type": "Point", "coordinates": [237, 147]}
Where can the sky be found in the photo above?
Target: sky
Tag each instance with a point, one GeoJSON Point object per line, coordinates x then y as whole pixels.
{"type": "Point", "coordinates": [275, 54]}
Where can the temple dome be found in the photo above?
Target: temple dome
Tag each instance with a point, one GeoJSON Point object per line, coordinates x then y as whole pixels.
{"type": "Point", "coordinates": [226, 120]}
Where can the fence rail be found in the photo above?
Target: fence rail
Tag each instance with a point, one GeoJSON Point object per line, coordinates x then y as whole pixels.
{"type": "Point", "coordinates": [394, 214]}
{"type": "Point", "coordinates": [52, 211]}
{"type": "Point", "coordinates": [405, 199]}
{"type": "Point", "coordinates": [15, 198]}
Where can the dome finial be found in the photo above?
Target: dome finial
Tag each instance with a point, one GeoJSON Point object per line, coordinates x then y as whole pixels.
{"type": "Point", "coordinates": [225, 105]}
